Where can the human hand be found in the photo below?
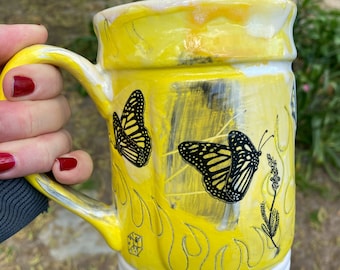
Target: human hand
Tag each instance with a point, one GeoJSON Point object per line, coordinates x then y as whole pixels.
{"type": "Point", "coordinates": [32, 138]}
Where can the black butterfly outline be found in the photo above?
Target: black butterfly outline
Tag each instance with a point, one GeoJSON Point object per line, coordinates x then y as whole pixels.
{"type": "Point", "coordinates": [227, 170]}
{"type": "Point", "coordinates": [132, 138]}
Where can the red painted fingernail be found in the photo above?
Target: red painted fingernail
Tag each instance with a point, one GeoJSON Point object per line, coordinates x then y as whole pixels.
{"type": "Point", "coordinates": [22, 86]}
{"type": "Point", "coordinates": [66, 164]}
{"type": "Point", "coordinates": [6, 162]}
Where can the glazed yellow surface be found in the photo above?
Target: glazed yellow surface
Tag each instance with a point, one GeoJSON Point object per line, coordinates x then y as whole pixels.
{"type": "Point", "coordinates": [223, 31]}
{"type": "Point", "coordinates": [166, 203]}
{"type": "Point", "coordinates": [204, 69]}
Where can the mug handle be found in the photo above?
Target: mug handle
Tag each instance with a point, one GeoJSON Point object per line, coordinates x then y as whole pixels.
{"type": "Point", "coordinates": [102, 216]}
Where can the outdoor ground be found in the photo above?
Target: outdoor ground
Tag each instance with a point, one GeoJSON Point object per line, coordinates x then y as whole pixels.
{"type": "Point", "coordinates": [59, 240]}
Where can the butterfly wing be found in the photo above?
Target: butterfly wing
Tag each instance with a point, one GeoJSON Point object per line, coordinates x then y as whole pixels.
{"type": "Point", "coordinates": [124, 145]}
{"type": "Point", "coordinates": [132, 138]}
{"type": "Point", "coordinates": [213, 161]}
{"type": "Point", "coordinates": [245, 161]}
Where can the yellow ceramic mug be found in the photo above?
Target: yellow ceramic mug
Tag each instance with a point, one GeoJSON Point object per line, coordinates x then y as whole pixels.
{"type": "Point", "coordinates": [200, 106]}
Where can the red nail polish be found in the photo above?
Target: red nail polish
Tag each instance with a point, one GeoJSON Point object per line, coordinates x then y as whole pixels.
{"type": "Point", "coordinates": [6, 162]}
{"type": "Point", "coordinates": [66, 164]}
{"type": "Point", "coordinates": [22, 86]}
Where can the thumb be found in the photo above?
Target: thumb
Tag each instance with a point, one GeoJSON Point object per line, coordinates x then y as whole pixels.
{"type": "Point", "coordinates": [15, 37]}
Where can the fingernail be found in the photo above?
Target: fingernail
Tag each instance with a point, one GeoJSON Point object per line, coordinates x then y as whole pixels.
{"type": "Point", "coordinates": [66, 164]}
{"type": "Point", "coordinates": [6, 162]}
{"type": "Point", "coordinates": [22, 86]}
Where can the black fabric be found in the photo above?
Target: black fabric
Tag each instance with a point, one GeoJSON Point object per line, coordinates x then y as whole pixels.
{"type": "Point", "coordinates": [20, 203]}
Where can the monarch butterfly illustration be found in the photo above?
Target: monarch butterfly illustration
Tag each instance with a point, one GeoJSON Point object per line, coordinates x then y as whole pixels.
{"type": "Point", "coordinates": [227, 170]}
{"type": "Point", "coordinates": [132, 138]}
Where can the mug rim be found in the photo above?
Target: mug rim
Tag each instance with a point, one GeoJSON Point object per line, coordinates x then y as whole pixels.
{"type": "Point", "coordinates": [114, 12]}
{"type": "Point", "coordinates": [112, 19]}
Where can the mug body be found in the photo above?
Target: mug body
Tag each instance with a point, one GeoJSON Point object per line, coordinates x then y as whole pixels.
{"type": "Point", "coordinates": [202, 131]}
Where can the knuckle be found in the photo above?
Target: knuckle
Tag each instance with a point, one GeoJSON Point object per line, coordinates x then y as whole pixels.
{"type": "Point", "coordinates": [65, 107]}
{"type": "Point", "coordinates": [52, 146]}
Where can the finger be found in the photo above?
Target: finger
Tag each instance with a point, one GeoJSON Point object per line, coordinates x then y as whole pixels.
{"type": "Point", "coordinates": [32, 82]}
{"type": "Point", "coordinates": [33, 155]}
{"type": "Point", "coordinates": [13, 38]}
{"type": "Point", "coordinates": [73, 168]}
{"type": "Point", "coordinates": [26, 119]}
